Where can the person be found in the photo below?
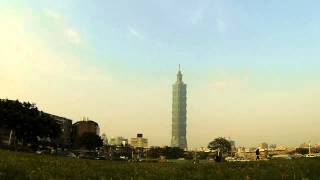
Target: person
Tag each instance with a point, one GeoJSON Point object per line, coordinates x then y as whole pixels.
{"type": "Point", "coordinates": [195, 160]}
{"type": "Point", "coordinates": [218, 156]}
{"type": "Point", "coordinates": [257, 154]}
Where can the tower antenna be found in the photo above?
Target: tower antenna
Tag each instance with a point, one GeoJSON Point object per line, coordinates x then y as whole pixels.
{"type": "Point", "coordinates": [179, 67]}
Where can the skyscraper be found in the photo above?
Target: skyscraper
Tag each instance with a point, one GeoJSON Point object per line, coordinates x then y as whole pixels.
{"type": "Point", "coordinates": [179, 113]}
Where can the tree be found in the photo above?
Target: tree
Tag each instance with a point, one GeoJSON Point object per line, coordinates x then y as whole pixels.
{"type": "Point", "coordinates": [89, 141]}
{"type": "Point", "coordinates": [302, 150]}
{"type": "Point", "coordinates": [220, 143]}
{"type": "Point", "coordinates": [168, 152]}
{"type": "Point", "coordinates": [26, 122]}
{"type": "Point", "coordinates": [172, 152]}
{"type": "Point", "coordinates": [154, 152]}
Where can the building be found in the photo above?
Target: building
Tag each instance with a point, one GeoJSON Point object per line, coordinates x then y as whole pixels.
{"type": "Point", "coordinates": [104, 139]}
{"type": "Point", "coordinates": [317, 146]}
{"type": "Point", "coordinates": [85, 126]}
{"type": "Point", "coordinates": [250, 149]}
{"type": "Point", "coordinates": [241, 149]}
{"type": "Point", "coordinates": [63, 140]}
{"type": "Point", "coordinates": [66, 128]}
{"type": "Point", "coordinates": [281, 148]}
{"type": "Point", "coordinates": [233, 145]}
{"type": "Point", "coordinates": [203, 149]}
{"type": "Point", "coordinates": [117, 141]}
{"type": "Point", "coordinates": [139, 142]}
{"type": "Point", "coordinates": [179, 113]}
{"type": "Point", "coordinates": [272, 146]}
{"type": "Point", "coordinates": [304, 145]}
{"type": "Point", "coordinates": [264, 146]}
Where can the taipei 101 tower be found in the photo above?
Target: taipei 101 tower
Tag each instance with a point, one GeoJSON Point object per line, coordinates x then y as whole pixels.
{"type": "Point", "coordinates": [179, 113]}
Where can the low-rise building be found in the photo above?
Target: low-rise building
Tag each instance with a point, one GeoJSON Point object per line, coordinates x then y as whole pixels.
{"type": "Point", "coordinates": [117, 141]}
{"type": "Point", "coordinates": [204, 149]}
{"type": "Point", "coordinates": [251, 149]}
{"type": "Point", "coordinates": [139, 142]}
{"type": "Point", "coordinates": [304, 145]}
{"type": "Point", "coordinates": [66, 128]}
{"type": "Point", "coordinates": [241, 149]}
{"type": "Point", "coordinates": [272, 146]}
{"type": "Point", "coordinates": [281, 148]}
{"type": "Point", "coordinates": [264, 146]}
{"type": "Point", "coordinates": [85, 126]}
{"type": "Point", "coordinates": [317, 146]}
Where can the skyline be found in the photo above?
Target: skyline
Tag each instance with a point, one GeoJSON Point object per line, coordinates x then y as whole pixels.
{"type": "Point", "coordinates": [251, 67]}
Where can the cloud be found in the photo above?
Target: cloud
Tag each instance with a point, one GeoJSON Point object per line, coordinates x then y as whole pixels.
{"type": "Point", "coordinates": [73, 36]}
{"type": "Point", "coordinates": [70, 33]}
{"type": "Point", "coordinates": [221, 25]}
{"type": "Point", "coordinates": [135, 33]}
{"type": "Point", "coordinates": [197, 16]}
{"type": "Point", "coordinates": [27, 58]}
{"type": "Point", "coordinates": [53, 14]}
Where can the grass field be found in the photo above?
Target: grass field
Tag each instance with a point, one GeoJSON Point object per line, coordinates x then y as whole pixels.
{"type": "Point", "coordinates": [16, 165]}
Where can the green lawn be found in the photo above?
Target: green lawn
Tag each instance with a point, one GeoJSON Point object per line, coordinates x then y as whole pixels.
{"type": "Point", "coordinates": [15, 165]}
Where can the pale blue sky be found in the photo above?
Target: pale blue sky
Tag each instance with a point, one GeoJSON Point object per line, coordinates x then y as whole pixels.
{"type": "Point", "coordinates": [244, 62]}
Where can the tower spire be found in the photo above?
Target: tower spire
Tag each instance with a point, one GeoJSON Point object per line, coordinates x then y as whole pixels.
{"type": "Point", "coordinates": [179, 75]}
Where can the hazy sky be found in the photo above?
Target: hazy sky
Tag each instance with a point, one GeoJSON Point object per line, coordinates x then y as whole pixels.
{"type": "Point", "coordinates": [252, 67]}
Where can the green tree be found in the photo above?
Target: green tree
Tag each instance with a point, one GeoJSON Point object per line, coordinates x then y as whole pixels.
{"type": "Point", "coordinates": [302, 150]}
{"type": "Point", "coordinates": [220, 143]}
{"type": "Point", "coordinates": [172, 152]}
{"type": "Point", "coordinates": [154, 152]}
{"type": "Point", "coordinates": [26, 122]}
{"type": "Point", "coordinates": [89, 141]}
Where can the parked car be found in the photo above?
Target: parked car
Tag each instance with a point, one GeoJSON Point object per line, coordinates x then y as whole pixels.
{"type": "Point", "coordinates": [297, 156]}
{"type": "Point", "coordinates": [230, 159]}
{"type": "Point", "coordinates": [311, 156]}
{"type": "Point", "coordinates": [39, 152]}
{"type": "Point", "coordinates": [87, 156]}
{"type": "Point", "coordinates": [66, 154]}
{"type": "Point", "coordinates": [91, 155]}
{"type": "Point", "coordinates": [44, 151]}
{"type": "Point", "coordinates": [242, 159]}
{"type": "Point", "coordinates": [236, 159]}
{"type": "Point", "coordinates": [100, 158]}
{"type": "Point", "coordinates": [281, 156]}
{"type": "Point", "coordinates": [124, 157]}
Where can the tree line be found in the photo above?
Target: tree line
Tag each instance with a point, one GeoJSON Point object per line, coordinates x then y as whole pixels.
{"type": "Point", "coordinates": [26, 123]}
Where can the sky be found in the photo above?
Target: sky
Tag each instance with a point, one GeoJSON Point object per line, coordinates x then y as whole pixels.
{"type": "Point", "coordinates": [252, 67]}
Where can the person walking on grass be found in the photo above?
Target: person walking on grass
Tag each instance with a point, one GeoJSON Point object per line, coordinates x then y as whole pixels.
{"type": "Point", "coordinates": [257, 154]}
